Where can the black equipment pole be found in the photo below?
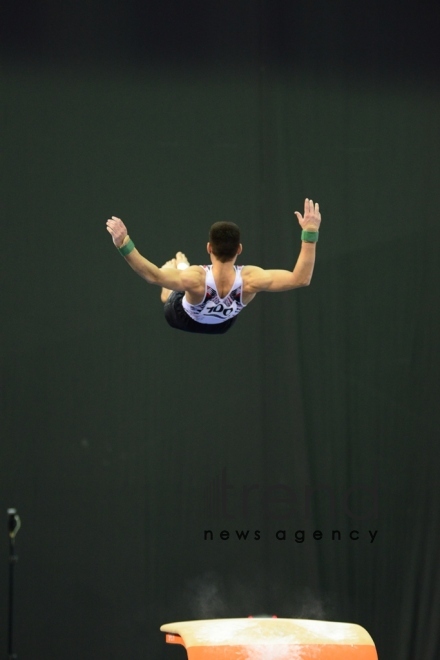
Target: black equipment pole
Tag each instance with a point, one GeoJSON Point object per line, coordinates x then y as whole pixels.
{"type": "Point", "coordinates": [14, 524]}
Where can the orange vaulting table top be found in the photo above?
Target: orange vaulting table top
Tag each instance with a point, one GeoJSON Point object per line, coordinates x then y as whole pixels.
{"type": "Point", "coordinates": [271, 639]}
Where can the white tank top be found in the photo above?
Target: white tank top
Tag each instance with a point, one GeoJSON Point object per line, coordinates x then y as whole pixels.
{"type": "Point", "coordinates": [214, 309]}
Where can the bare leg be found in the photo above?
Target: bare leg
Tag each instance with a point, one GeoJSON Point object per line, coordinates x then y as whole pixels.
{"type": "Point", "coordinates": [166, 292]}
{"type": "Point", "coordinates": [181, 262]}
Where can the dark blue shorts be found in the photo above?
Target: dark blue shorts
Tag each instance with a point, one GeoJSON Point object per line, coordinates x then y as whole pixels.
{"type": "Point", "coordinates": [179, 319]}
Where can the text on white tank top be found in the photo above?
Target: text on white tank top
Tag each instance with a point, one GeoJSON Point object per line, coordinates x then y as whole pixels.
{"type": "Point", "coordinates": [213, 308]}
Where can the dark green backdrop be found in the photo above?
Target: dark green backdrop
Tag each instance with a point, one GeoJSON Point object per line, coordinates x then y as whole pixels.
{"type": "Point", "coordinates": [123, 440]}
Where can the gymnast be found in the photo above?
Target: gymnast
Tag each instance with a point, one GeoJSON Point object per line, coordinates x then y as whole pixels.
{"type": "Point", "coordinates": [207, 299]}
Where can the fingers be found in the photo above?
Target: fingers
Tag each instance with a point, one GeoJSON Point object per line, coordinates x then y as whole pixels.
{"type": "Point", "coordinates": [310, 207]}
{"type": "Point", "coordinates": [116, 229]}
{"type": "Point", "coordinates": [116, 224]}
{"type": "Point", "coordinates": [317, 212]}
{"type": "Point", "coordinates": [312, 216]}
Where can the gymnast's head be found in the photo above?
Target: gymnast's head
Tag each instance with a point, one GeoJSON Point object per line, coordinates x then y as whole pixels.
{"type": "Point", "coordinates": [224, 241]}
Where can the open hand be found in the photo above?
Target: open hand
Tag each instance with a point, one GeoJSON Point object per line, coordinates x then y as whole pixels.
{"type": "Point", "coordinates": [117, 229]}
{"type": "Point", "coordinates": [312, 216]}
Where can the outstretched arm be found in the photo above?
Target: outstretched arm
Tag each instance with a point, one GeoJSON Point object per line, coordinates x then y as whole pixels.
{"type": "Point", "coordinates": [258, 279]}
{"type": "Point", "coordinates": [170, 278]}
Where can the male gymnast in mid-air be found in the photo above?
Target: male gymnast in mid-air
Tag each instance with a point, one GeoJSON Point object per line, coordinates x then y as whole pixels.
{"type": "Point", "coordinates": [207, 299]}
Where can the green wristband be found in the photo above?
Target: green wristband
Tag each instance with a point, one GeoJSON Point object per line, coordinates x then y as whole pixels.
{"type": "Point", "coordinates": [309, 236]}
{"type": "Point", "coordinates": [126, 249]}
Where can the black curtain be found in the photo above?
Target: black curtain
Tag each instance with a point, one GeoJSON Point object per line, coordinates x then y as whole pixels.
{"type": "Point", "coordinates": [291, 466]}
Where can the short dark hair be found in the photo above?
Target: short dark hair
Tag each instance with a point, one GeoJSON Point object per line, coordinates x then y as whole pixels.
{"type": "Point", "coordinates": [224, 238]}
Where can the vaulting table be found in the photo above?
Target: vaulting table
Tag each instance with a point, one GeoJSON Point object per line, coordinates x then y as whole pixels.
{"type": "Point", "coordinates": [271, 639]}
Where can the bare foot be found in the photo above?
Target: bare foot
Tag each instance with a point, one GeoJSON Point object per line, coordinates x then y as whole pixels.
{"type": "Point", "coordinates": [181, 261]}
{"type": "Point", "coordinates": [164, 294]}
